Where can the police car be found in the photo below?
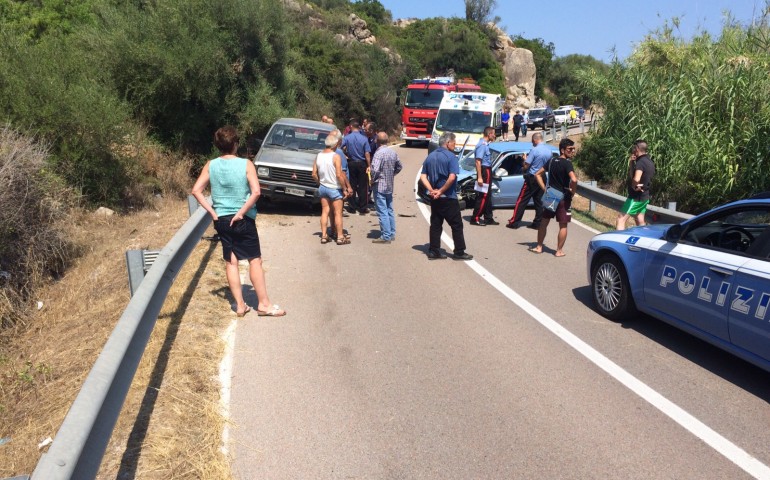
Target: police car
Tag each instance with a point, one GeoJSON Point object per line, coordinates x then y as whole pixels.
{"type": "Point", "coordinates": [709, 276]}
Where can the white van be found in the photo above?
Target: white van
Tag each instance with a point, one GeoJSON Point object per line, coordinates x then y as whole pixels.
{"type": "Point", "coordinates": [467, 114]}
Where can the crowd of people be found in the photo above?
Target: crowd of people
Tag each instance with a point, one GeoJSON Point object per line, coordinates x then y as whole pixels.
{"type": "Point", "coordinates": [360, 162]}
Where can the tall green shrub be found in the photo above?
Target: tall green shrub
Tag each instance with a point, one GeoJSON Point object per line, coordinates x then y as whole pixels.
{"type": "Point", "coordinates": [66, 98]}
{"type": "Point", "coordinates": [702, 106]}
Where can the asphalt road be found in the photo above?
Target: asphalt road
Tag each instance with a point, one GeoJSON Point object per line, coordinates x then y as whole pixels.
{"type": "Point", "coordinates": [392, 366]}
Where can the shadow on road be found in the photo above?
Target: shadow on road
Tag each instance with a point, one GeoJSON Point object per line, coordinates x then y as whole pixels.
{"type": "Point", "coordinates": [731, 368]}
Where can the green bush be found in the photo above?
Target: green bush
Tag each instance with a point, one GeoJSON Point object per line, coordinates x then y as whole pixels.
{"type": "Point", "coordinates": [441, 45]}
{"type": "Point", "coordinates": [702, 107]}
{"type": "Point", "coordinates": [65, 98]}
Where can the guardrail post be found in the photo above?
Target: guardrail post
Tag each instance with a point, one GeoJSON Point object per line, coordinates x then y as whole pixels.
{"type": "Point", "coordinates": [582, 127]}
{"type": "Point", "coordinates": [563, 130]}
{"type": "Point", "coordinates": [139, 263]}
{"type": "Point", "coordinates": [192, 204]}
{"type": "Point", "coordinates": [591, 203]}
{"type": "Point", "coordinates": [135, 265]}
{"type": "Point", "coordinates": [670, 206]}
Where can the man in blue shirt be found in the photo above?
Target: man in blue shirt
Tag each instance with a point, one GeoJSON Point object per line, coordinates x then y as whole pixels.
{"type": "Point", "coordinates": [439, 175]}
{"type": "Point", "coordinates": [356, 147]}
{"type": "Point", "coordinates": [505, 118]}
{"type": "Point", "coordinates": [484, 177]}
{"type": "Point", "coordinates": [536, 158]}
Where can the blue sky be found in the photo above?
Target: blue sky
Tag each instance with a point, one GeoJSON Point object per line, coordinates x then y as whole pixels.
{"type": "Point", "coordinates": [592, 27]}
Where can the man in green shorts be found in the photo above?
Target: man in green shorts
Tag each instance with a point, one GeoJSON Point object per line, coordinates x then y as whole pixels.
{"type": "Point", "coordinates": [640, 173]}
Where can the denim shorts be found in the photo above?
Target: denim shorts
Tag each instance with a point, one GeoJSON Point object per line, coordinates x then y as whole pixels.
{"type": "Point", "coordinates": [330, 193]}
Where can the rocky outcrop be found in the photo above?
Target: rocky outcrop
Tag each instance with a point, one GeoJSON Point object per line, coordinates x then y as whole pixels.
{"type": "Point", "coordinates": [519, 69]}
{"type": "Point", "coordinates": [358, 30]}
{"type": "Point", "coordinates": [404, 22]}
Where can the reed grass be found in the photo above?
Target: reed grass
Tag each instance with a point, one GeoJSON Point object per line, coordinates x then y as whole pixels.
{"type": "Point", "coordinates": [702, 107]}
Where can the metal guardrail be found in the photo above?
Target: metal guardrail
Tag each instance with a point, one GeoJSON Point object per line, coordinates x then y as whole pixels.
{"type": "Point", "coordinates": [82, 439]}
{"type": "Point", "coordinates": [615, 201]}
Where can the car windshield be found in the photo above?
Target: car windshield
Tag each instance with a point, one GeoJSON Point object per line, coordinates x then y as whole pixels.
{"type": "Point", "coordinates": [296, 138]}
{"type": "Point", "coordinates": [462, 121]}
{"type": "Point", "coordinates": [536, 113]}
{"type": "Point", "coordinates": [468, 161]}
{"type": "Point", "coordinates": [424, 98]}
{"type": "Point", "coordinates": [561, 112]}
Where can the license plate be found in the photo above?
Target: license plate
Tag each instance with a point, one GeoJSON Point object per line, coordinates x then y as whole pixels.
{"type": "Point", "coordinates": [421, 137]}
{"type": "Point", "coordinates": [295, 191]}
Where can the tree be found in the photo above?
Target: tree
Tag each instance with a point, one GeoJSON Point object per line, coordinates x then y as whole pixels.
{"type": "Point", "coordinates": [564, 82]}
{"type": "Point", "coordinates": [479, 10]}
{"type": "Point", "coordinates": [374, 10]}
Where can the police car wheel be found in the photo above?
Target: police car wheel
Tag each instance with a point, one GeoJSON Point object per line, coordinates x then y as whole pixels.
{"type": "Point", "coordinates": [610, 290]}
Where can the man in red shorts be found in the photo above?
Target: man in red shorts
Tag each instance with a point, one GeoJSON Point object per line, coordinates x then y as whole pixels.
{"type": "Point", "coordinates": [561, 177]}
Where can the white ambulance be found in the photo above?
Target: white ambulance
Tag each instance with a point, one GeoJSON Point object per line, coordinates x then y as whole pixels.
{"type": "Point", "coordinates": [467, 114]}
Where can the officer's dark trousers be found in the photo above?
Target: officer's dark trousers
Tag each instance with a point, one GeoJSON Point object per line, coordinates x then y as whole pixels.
{"type": "Point", "coordinates": [484, 200]}
{"type": "Point", "coordinates": [446, 209]}
{"type": "Point", "coordinates": [530, 190]}
{"type": "Point", "coordinates": [359, 182]}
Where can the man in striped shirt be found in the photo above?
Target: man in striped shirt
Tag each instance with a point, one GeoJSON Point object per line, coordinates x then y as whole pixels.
{"type": "Point", "coordinates": [385, 166]}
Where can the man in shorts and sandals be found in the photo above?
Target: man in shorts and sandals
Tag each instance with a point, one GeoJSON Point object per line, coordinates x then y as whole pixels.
{"type": "Point", "coordinates": [640, 173]}
{"type": "Point", "coordinates": [561, 176]}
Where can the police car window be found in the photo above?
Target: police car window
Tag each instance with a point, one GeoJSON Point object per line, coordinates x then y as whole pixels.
{"type": "Point", "coordinates": [735, 231]}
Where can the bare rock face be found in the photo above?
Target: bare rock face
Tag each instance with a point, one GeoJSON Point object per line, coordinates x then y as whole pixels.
{"type": "Point", "coordinates": [404, 22]}
{"type": "Point", "coordinates": [358, 30]}
{"type": "Point", "coordinates": [520, 75]}
{"type": "Point", "coordinates": [519, 70]}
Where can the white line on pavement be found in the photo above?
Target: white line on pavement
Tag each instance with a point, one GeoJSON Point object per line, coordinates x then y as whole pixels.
{"type": "Point", "coordinates": [716, 441]}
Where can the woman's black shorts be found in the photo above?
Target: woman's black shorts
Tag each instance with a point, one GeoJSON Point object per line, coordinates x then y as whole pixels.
{"type": "Point", "coordinates": [241, 239]}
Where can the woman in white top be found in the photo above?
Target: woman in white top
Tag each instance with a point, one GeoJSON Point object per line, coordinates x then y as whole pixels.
{"type": "Point", "coordinates": [327, 171]}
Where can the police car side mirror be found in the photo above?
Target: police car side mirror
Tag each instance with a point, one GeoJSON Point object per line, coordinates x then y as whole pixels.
{"type": "Point", "coordinates": [674, 233]}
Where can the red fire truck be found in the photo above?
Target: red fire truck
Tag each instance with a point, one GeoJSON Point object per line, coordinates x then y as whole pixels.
{"type": "Point", "coordinates": [423, 97]}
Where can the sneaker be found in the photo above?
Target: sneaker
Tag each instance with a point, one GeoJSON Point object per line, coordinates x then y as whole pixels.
{"type": "Point", "coordinates": [492, 222]}
{"type": "Point", "coordinates": [364, 211]}
{"type": "Point", "coordinates": [480, 223]}
{"type": "Point", "coordinates": [463, 256]}
{"type": "Point", "coordinates": [534, 226]}
{"type": "Point", "coordinates": [514, 225]}
{"type": "Point", "coordinates": [381, 240]}
{"type": "Point", "coordinates": [433, 255]}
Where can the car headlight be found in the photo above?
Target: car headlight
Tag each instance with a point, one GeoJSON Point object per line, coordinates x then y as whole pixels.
{"type": "Point", "coordinates": [434, 137]}
{"type": "Point", "coordinates": [263, 171]}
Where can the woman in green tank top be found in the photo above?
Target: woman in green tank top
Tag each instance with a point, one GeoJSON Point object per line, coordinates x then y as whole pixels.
{"type": "Point", "coordinates": [234, 194]}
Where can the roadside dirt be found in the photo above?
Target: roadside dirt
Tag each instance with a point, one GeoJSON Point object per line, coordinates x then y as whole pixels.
{"type": "Point", "coordinates": [171, 425]}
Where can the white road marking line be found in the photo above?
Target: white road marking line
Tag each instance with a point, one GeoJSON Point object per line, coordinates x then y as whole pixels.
{"type": "Point", "coordinates": [729, 450]}
{"type": "Point", "coordinates": [225, 380]}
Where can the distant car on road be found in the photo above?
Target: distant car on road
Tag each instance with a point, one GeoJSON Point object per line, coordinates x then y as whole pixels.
{"type": "Point", "coordinates": [541, 117]}
{"type": "Point", "coordinates": [562, 115]}
{"type": "Point", "coordinates": [507, 178]}
{"type": "Point", "coordinates": [285, 159]}
{"type": "Point", "coordinates": [709, 276]}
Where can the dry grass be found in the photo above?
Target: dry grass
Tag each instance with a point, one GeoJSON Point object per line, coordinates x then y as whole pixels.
{"type": "Point", "coordinates": [170, 426]}
{"type": "Point", "coordinates": [33, 205]}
